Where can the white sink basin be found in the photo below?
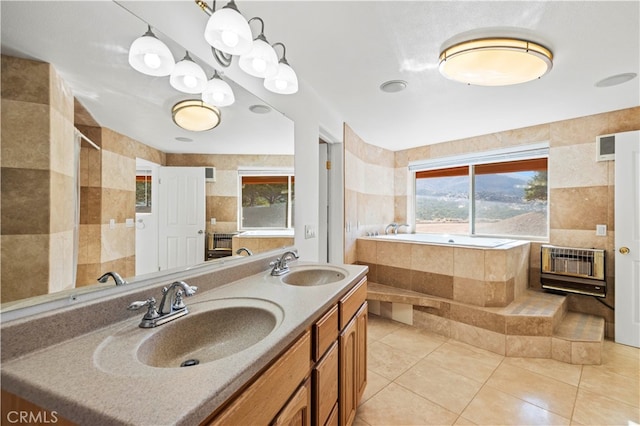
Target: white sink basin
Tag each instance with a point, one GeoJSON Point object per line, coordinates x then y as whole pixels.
{"type": "Point", "coordinates": [211, 331]}
{"type": "Point", "coordinates": [313, 275]}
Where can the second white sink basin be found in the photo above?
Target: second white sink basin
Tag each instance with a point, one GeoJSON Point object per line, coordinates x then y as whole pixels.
{"type": "Point", "coordinates": [313, 275]}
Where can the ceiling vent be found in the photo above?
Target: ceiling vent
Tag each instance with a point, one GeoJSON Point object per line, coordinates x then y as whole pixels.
{"type": "Point", "coordinates": [605, 147]}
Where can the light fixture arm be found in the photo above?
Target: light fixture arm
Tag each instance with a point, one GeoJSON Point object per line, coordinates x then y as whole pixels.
{"type": "Point", "coordinates": [261, 35]}
{"type": "Point", "coordinates": [283, 60]}
{"type": "Point", "coordinates": [205, 7]}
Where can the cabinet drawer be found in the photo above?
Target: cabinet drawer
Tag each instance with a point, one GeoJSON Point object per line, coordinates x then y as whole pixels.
{"type": "Point", "coordinates": [264, 398]}
{"type": "Point", "coordinates": [351, 302]}
{"type": "Point", "coordinates": [325, 332]}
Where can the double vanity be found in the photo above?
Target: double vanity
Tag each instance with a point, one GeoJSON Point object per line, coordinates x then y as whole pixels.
{"type": "Point", "coordinates": [254, 348]}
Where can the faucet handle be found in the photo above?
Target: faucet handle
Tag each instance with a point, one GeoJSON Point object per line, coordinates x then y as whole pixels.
{"type": "Point", "coordinates": [152, 312]}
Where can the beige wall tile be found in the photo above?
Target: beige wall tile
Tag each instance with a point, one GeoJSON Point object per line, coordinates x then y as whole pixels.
{"type": "Point", "coordinates": [366, 251]}
{"type": "Point", "coordinates": [468, 290]}
{"type": "Point", "coordinates": [25, 134]}
{"type": "Point", "coordinates": [478, 337]}
{"type": "Point", "coordinates": [495, 266]}
{"type": "Point", "coordinates": [578, 131]}
{"type": "Point", "coordinates": [468, 263]}
{"type": "Point", "coordinates": [25, 80]}
{"type": "Point", "coordinates": [25, 190]}
{"type": "Point", "coordinates": [587, 353]}
{"type": "Point", "coordinates": [22, 253]}
{"type": "Point", "coordinates": [528, 346]}
{"type": "Point", "coordinates": [433, 323]}
{"type": "Point", "coordinates": [570, 206]}
{"type": "Point", "coordinates": [576, 166]}
{"type": "Point", "coordinates": [432, 258]}
{"type": "Point", "coordinates": [62, 202]}
{"type": "Point", "coordinates": [61, 264]}
{"type": "Point", "coordinates": [477, 318]}
{"type": "Point", "coordinates": [393, 254]}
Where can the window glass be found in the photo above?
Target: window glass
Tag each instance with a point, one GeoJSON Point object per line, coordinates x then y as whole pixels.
{"type": "Point", "coordinates": [267, 202]}
{"type": "Point", "coordinates": [508, 199]}
{"type": "Point", "coordinates": [442, 202]}
{"type": "Point", "coordinates": [512, 203]}
{"type": "Point", "coordinates": [143, 191]}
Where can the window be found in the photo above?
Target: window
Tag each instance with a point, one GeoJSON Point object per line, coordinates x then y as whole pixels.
{"type": "Point", "coordinates": [143, 191]}
{"type": "Point", "coordinates": [497, 195]}
{"type": "Point", "coordinates": [267, 200]}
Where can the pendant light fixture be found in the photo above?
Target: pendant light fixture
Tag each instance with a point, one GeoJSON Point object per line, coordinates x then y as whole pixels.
{"type": "Point", "coordinates": [285, 81]}
{"type": "Point", "coordinates": [218, 92]}
{"type": "Point", "coordinates": [188, 77]}
{"type": "Point", "coordinates": [150, 56]}
{"type": "Point", "coordinates": [227, 30]}
{"type": "Point", "coordinates": [495, 61]}
{"type": "Point", "coordinates": [195, 115]}
{"type": "Point", "coordinates": [261, 61]}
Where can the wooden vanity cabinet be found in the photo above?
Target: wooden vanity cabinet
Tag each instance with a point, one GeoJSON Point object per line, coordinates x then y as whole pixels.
{"type": "Point", "coordinates": [319, 381]}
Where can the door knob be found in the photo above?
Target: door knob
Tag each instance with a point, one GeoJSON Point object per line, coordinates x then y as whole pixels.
{"type": "Point", "coordinates": [624, 250]}
{"type": "Point", "coordinates": [201, 232]}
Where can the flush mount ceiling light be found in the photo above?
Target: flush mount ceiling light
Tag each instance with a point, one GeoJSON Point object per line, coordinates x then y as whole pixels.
{"type": "Point", "coordinates": [195, 115]}
{"type": "Point", "coordinates": [218, 92]}
{"type": "Point", "coordinates": [285, 81]}
{"type": "Point", "coordinates": [188, 77]}
{"type": "Point", "coordinates": [495, 61]}
{"type": "Point", "coordinates": [150, 56]}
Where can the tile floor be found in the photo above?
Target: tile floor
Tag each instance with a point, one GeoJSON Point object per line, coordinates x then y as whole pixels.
{"type": "Point", "coordinates": [419, 378]}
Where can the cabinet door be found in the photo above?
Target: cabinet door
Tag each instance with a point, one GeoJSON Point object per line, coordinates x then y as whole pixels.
{"type": "Point", "coordinates": [348, 364]}
{"type": "Point", "coordinates": [325, 386]}
{"type": "Point", "coordinates": [297, 412]}
{"type": "Point", "coordinates": [361, 341]}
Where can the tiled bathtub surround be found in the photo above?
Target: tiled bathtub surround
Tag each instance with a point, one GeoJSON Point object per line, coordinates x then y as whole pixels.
{"type": "Point", "coordinates": [477, 276]}
{"type": "Point", "coordinates": [581, 190]}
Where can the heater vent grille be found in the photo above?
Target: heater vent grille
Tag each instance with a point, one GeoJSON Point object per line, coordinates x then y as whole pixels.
{"type": "Point", "coordinates": [573, 270]}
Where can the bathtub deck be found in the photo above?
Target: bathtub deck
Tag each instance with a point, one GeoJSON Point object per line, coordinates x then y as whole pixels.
{"type": "Point", "coordinates": [536, 325]}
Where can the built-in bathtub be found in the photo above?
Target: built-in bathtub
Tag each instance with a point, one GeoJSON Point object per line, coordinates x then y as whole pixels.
{"type": "Point", "coordinates": [488, 272]}
{"type": "Point", "coordinates": [447, 239]}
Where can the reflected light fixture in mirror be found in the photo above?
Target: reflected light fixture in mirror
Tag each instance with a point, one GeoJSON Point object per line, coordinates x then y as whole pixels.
{"type": "Point", "coordinates": [188, 77]}
{"type": "Point", "coordinates": [151, 56]}
{"type": "Point", "coordinates": [195, 115]}
{"type": "Point", "coordinates": [495, 61]}
{"type": "Point", "coordinates": [218, 92]}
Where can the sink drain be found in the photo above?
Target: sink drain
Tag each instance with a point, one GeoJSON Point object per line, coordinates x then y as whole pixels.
{"type": "Point", "coordinates": [189, 363]}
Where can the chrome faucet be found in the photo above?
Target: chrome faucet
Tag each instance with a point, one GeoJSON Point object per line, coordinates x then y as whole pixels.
{"type": "Point", "coordinates": [400, 226]}
{"type": "Point", "coordinates": [244, 249]}
{"type": "Point", "coordinates": [116, 277]}
{"type": "Point", "coordinates": [394, 226]}
{"type": "Point", "coordinates": [280, 265]}
{"type": "Point", "coordinates": [154, 316]}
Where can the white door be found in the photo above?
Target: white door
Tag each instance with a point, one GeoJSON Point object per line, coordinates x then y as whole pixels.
{"type": "Point", "coordinates": [627, 244]}
{"type": "Point", "coordinates": [147, 220]}
{"type": "Point", "coordinates": [181, 216]}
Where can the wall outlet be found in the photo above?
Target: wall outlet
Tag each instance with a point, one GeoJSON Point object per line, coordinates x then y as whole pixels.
{"type": "Point", "coordinates": [213, 220]}
{"type": "Point", "coordinates": [601, 230]}
{"type": "Point", "coordinates": [309, 231]}
{"type": "Point", "coordinates": [129, 223]}
{"type": "Point", "coordinates": [112, 224]}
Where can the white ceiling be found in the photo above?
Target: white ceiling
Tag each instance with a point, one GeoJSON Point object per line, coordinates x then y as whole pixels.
{"type": "Point", "coordinates": [344, 50]}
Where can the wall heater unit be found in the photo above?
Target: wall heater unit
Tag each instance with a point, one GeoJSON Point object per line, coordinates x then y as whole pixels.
{"type": "Point", "coordinates": [573, 270]}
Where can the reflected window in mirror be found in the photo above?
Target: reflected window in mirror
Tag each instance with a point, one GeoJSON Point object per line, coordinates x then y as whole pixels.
{"type": "Point", "coordinates": [268, 200]}
{"type": "Point", "coordinates": [143, 191]}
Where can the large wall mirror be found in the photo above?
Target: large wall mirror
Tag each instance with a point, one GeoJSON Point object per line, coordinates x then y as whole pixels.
{"type": "Point", "coordinates": [65, 73]}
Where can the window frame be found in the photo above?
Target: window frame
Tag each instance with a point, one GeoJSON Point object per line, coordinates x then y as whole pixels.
{"type": "Point", "coordinates": [264, 173]}
{"type": "Point", "coordinates": [444, 165]}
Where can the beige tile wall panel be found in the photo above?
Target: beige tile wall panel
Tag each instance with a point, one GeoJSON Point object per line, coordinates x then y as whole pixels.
{"type": "Point", "coordinates": [25, 134]}
{"type": "Point", "coordinates": [575, 166]}
{"type": "Point", "coordinates": [116, 243]}
{"type": "Point", "coordinates": [224, 209]}
{"type": "Point", "coordinates": [578, 131]}
{"type": "Point", "coordinates": [579, 207]}
{"type": "Point", "coordinates": [226, 184]}
{"type": "Point", "coordinates": [62, 202]}
{"type": "Point", "coordinates": [468, 263]}
{"type": "Point", "coordinates": [393, 254]}
{"type": "Point", "coordinates": [432, 258]}
{"type": "Point", "coordinates": [25, 80]}
{"type": "Point", "coordinates": [25, 190]}
{"type": "Point", "coordinates": [60, 251]}
{"type": "Point", "coordinates": [22, 253]}
{"type": "Point", "coordinates": [118, 171]}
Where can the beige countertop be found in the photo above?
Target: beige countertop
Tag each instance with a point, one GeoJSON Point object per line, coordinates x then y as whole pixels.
{"type": "Point", "coordinates": [97, 378]}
